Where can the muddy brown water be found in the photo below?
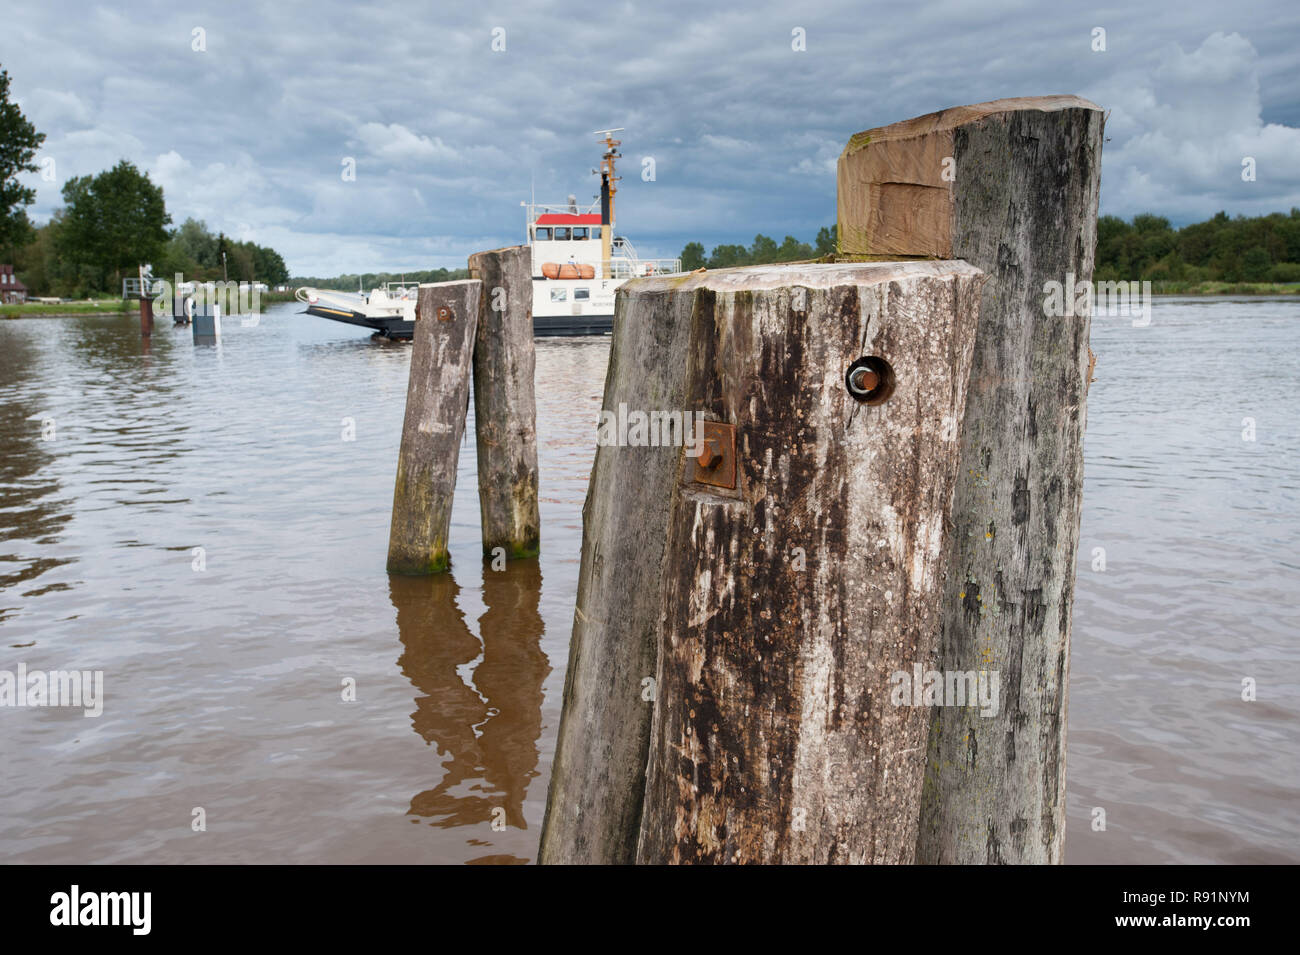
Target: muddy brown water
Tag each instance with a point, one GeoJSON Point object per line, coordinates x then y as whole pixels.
{"type": "Point", "coordinates": [225, 685]}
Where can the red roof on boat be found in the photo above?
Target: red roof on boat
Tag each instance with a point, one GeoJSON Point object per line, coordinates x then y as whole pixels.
{"type": "Point", "coordinates": [566, 218]}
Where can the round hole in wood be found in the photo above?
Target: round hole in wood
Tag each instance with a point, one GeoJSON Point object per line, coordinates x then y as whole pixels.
{"type": "Point", "coordinates": [870, 380]}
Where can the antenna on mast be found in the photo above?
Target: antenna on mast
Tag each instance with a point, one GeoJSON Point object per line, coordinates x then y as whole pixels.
{"type": "Point", "coordinates": [607, 190]}
{"type": "Point", "coordinates": [607, 160]}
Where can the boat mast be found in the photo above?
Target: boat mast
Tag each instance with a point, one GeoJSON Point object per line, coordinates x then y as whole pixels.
{"type": "Point", "coordinates": [607, 190]}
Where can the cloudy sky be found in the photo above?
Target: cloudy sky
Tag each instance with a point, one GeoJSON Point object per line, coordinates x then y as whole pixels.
{"type": "Point", "coordinates": [247, 112]}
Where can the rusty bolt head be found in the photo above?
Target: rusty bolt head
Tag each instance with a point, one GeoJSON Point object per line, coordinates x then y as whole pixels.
{"type": "Point", "coordinates": [444, 313]}
{"type": "Point", "coordinates": [863, 380]}
{"type": "Point", "coordinates": [870, 379]}
{"type": "Point", "coordinates": [709, 454]}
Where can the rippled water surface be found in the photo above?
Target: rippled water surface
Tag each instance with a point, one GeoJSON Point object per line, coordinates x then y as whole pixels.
{"type": "Point", "coordinates": [224, 685]}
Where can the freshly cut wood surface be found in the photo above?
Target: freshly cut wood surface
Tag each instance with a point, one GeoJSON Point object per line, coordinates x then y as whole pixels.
{"type": "Point", "coordinates": [895, 184]}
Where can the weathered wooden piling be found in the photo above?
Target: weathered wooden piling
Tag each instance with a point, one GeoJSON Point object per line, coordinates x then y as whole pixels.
{"type": "Point", "coordinates": [505, 407]}
{"type": "Point", "coordinates": [593, 811]}
{"type": "Point", "coordinates": [1011, 187]}
{"type": "Point", "coordinates": [437, 398]}
{"type": "Point", "coordinates": [142, 283]}
{"type": "Point", "coordinates": [743, 607]}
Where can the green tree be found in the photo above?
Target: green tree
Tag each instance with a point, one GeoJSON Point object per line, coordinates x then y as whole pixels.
{"type": "Point", "coordinates": [1256, 265]}
{"type": "Point", "coordinates": [692, 257]}
{"type": "Point", "coordinates": [792, 250]}
{"type": "Point", "coordinates": [763, 251]}
{"type": "Point", "coordinates": [114, 221]}
{"type": "Point", "coordinates": [194, 242]}
{"type": "Point", "coordinates": [269, 266]}
{"type": "Point", "coordinates": [728, 256]}
{"type": "Point", "coordinates": [828, 240]}
{"type": "Point", "coordinates": [19, 141]}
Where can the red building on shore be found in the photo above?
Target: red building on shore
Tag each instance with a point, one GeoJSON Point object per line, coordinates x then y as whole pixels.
{"type": "Point", "coordinates": [11, 290]}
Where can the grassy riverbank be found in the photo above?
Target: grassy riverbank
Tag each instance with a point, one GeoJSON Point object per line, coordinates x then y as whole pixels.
{"type": "Point", "coordinates": [109, 306]}
{"type": "Point", "coordinates": [1225, 288]}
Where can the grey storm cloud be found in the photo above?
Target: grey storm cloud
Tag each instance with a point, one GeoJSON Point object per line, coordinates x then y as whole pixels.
{"type": "Point", "coordinates": [448, 135]}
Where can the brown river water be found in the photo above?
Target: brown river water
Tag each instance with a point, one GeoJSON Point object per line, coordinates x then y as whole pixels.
{"type": "Point", "coordinates": [225, 669]}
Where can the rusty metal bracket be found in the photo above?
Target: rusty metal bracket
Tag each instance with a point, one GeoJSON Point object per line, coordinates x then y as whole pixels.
{"type": "Point", "coordinates": [713, 460]}
{"type": "Point", "coordinates": [444, 313]}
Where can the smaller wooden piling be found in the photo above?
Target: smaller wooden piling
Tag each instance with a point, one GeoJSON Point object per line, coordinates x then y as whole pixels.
{"type": "Point", "coordinates": [146, 315]}
{"type": "Point", "coordinates": [505, 407]}
{"type": "Point", "coordinates": [437, 397]}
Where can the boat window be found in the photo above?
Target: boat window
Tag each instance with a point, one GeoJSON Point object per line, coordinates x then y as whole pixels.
{"type": "Point", "coordinates": [561, 232]}
{"type": "Point", "coordinates": [559, 295]}
{"type": "Point", "coordinates": [595, 232]}
{"type": "Point", "coordinates": [581, 294]}
{"type": "Point", "coordinates": [543, 232]}
{"type": "Point", "coordinates": [580, 232]}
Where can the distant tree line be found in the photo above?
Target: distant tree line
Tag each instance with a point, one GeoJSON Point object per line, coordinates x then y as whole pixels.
{"type": "Point", "coordinates": [763, 251]}
{"type": "Point", "coordinates": [369, 280]}
{"type": "Point", "coordinates": [1221, 249]}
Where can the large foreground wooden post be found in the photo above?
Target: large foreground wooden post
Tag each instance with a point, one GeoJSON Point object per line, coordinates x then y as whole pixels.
{"type": "Point", "coordinates": [779, 575]}
{"type": "Point", "coordinates": [1011, 187]}
{"type": "Point", "coordinates": [437, 397]}
{"type": "Point", "coordinates": [505, 408]}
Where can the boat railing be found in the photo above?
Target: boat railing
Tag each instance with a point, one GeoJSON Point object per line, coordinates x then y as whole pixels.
{"type": "Point", "coordinates": [621, 268]}
{"type": "Point", "coordinates": [535, 209]}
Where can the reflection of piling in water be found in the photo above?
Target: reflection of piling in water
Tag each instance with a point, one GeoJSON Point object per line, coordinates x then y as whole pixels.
{"type": "Point", "coordinates": [436, 641]}
{"type": "Point", "coordinates": [510, 679]}
{"type": "Point", "coordinates": [488, 731]}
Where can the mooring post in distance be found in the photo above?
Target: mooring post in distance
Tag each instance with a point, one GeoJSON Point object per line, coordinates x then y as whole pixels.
{"type": "Point", "coordinates": [146, 306]}
{"type": "Point", "coordinates": [1011, 187]}
{"type": "Point", "coordinates": [505, 406]}
{"type": "Point", "coordinates": [788, 567]}
{"type": "Point", "coordinates": [437, 398]}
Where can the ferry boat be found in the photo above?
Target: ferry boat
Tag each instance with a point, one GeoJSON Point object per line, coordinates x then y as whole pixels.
{"type": "Point", "coordinates": [389, 311]}
{"type": "Point", "coordinates": [578, 261]}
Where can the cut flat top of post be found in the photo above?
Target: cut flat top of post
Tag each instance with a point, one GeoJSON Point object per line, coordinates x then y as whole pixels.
{"type": "Point", "coordinates": [806, 274]}
{"type": "Point", "coordinates": [959, 115]}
